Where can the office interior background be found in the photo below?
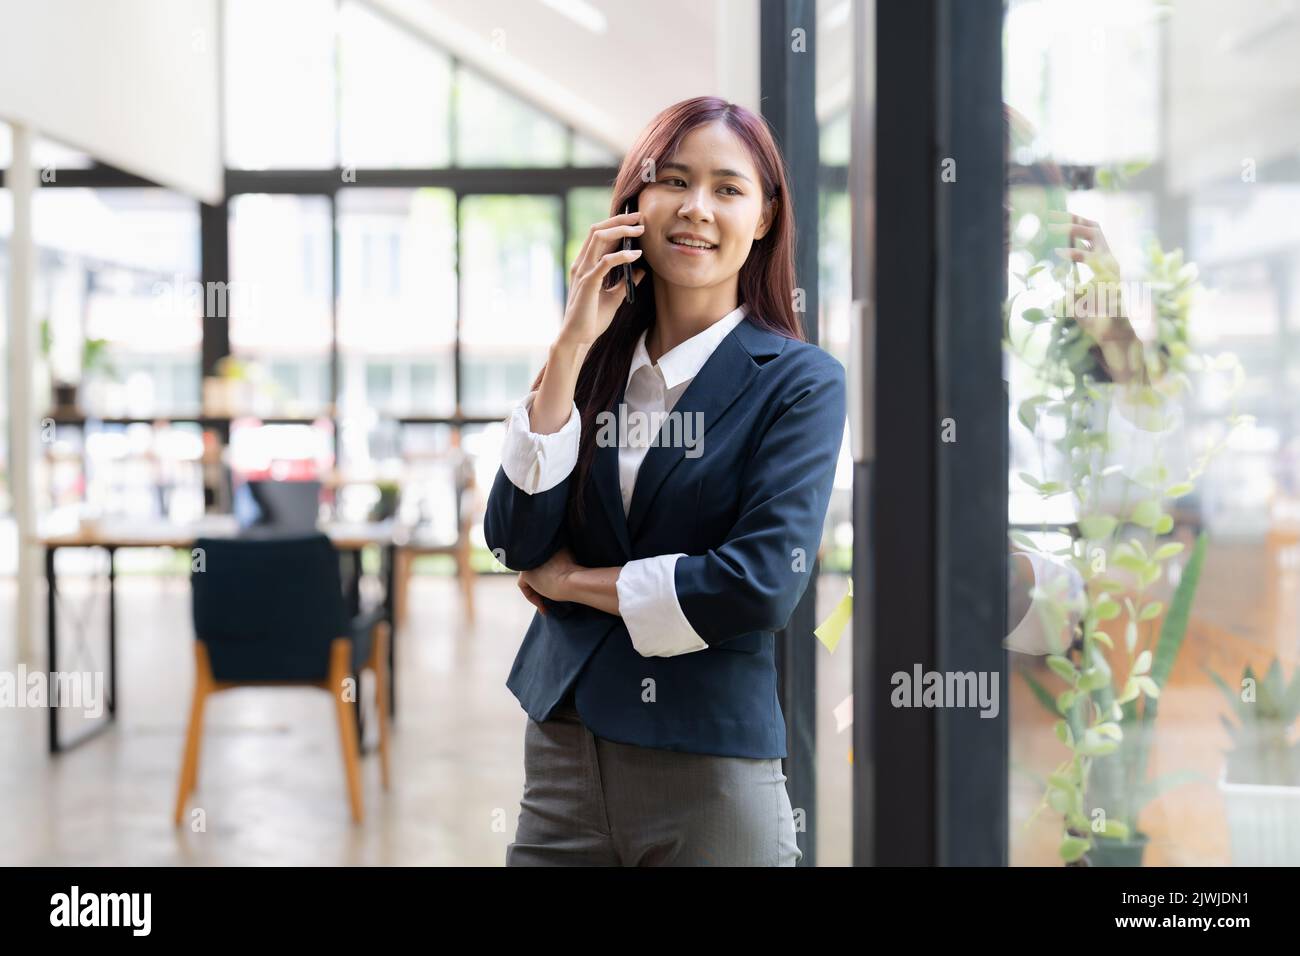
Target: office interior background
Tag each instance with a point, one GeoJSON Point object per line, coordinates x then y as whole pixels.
{"type": "Point", "coordinates": [389, 193]}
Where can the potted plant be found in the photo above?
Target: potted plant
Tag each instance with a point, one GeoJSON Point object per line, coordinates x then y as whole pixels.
{"type": "Point", "coordinates": [1119, 786]}
{"type": "Point", "coordinates": [386, 506]}
{"type": "Point", "coordinates": [230, 391]}
{"type": "Point", "coordinates": [1260, 781]}
{"type": "Point", "coordinates": [1103, 798]}
{"type": "Point", "coordinates": [65, 388]}
{"type": "Point", "coordinates": [95, 360]}
{"type": "Point", "coordinates": [1104, 441]}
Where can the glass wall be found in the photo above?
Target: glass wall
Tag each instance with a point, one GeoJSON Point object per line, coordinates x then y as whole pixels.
{"type": "Point", "coordinates": [120, 306]}
{"type": "Point", "coordinates": [397, 301]}
{"type": "Point", "coordinates": [835, 52]}
{"type": "Point", "coordinates": [495, 128]}
{"type": "Point", "coordinates": [512, 289]}
{"type": "Point", "coordinates": [359, 297]}
{"type": "Point", "coordinates": [281, 301]}
{"type": "Point", "coordinates": [6, 226]}
{"type": "Point", "coordinates": [8, 532]}
{"type": "Point", "coordinates": [1155, 474]}
{"type": "Point", "coordinates": [50, 157]}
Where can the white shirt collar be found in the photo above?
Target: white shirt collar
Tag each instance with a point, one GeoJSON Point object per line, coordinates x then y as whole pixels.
{"type": "Point", "coordinates": [684, 361]}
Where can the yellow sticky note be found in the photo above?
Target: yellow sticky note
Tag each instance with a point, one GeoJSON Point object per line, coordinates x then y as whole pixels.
{"type": "Point", "coordinates": [832, 629]}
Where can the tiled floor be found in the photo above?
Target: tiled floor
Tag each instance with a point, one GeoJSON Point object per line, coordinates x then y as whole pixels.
{"type": "Point", "coordinates": [271, 784]}
{"type": "Point", "coordinates": [271, 787]}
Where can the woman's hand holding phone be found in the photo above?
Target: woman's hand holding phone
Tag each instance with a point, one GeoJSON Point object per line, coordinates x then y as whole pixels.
{"type": "Point", "coordinates": [591, 305]}
{"type": "Point", "coordinates": [590, 309]}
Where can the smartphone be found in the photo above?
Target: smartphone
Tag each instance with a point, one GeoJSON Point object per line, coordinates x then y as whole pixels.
{"type": "Point", "coordinates": [628, 284]}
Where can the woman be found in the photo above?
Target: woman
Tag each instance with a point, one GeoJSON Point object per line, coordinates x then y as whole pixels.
{"type": "Point", "coordinates": [662, 562]}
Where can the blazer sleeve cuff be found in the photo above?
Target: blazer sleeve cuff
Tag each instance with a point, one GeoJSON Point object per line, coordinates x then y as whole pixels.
{"type": "Point", "coordinates": [647, 602]}
{"type": "Point", "coordinates": [534, 462]}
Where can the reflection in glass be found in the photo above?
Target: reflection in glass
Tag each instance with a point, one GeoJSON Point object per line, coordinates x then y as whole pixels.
{"type": "Point", "coordinates": [838, 48]}
{"type": "Point", "coordinates": [1165, 488]}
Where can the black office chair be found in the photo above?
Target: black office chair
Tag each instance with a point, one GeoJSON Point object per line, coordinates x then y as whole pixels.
{"type": "Point", "coordinates": [270, 612]}
{"type": "Point", "coordinates": [278, 506]}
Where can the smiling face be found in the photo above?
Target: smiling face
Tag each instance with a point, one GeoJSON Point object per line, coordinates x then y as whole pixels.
{"type": "Point", "coordinates": [704, 211]}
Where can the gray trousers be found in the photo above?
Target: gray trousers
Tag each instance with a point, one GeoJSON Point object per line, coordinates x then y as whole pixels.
{"type": "Point", "coordinates": [592, 802]}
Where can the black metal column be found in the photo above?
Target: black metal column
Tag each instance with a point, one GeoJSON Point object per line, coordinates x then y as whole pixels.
{"type": "Point", "coordinates": [901, 522]}
{"type": "Point", "coordinates": [214, 246]}
{"type": "Point", "coordinates": [214, 267]}
{"type": "Point", "coordinates": [788, 93]}
{"type": "Point", "coordinates": [936, 505]}
{"type": "Point", "coordinates": [971, 473]}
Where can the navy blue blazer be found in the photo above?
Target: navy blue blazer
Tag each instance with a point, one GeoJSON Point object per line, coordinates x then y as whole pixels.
{"type": "Point", "coordinates": [748, 512]}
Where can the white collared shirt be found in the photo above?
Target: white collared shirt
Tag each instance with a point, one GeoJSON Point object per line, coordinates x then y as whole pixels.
{"type": "Point", "coordinates": [647, 594]}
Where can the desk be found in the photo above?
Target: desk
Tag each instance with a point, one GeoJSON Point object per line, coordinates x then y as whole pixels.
{"type": "Point", "coordinates": [113, 536]}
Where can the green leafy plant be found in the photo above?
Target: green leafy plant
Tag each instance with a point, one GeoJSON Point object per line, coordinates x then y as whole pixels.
{"type": "Point", "coordinates": [1119, 544]}
{"type": "Point", "coordinates": [1115, 790]}
{"type": "Point", "coordinates": [1262, 752]}
{"type": "Point", "coordinates": [386, 505]}
{"type": "Point", "coordinates": [95, 355]}
{"type": "Point", "coordinates": [95, 358]}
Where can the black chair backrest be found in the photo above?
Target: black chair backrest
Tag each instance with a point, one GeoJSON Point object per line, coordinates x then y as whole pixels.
{"type": "Point", "coordinates": [268, 608]}
{"type": "Point", "coordinates": [292, 506]}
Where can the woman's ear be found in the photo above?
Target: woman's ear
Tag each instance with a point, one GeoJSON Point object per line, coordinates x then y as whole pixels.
{"type": "Point", "coordinates": [765, 221]}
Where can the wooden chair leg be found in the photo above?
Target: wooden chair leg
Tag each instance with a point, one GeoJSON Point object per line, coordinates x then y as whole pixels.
{"type": "Point", "coordinates": [340, 671]}
{"type": "Point", "coordinates": [203, 684]}
{"type": "Point", "coordinates": [379, 663]}
{"type": "Point", "coordinates": [465, 571]}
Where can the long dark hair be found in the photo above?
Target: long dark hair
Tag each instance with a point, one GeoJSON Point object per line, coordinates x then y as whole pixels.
{"type": "Point", "coordinates": [766, 283]}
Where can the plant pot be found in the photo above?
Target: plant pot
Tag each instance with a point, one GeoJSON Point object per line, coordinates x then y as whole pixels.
{"type": "Point", "coordinates": [1263, 823]}
{"type": "Point", "coordinates": [65, 397]}
{"type": "Point", "coordinates": [385, 507]}
{"type": "Point", "coordinates": [1110, 852]}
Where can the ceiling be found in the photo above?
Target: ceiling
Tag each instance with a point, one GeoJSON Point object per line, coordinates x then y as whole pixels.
{"type": "Point", "coordinates": [606, 66]}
